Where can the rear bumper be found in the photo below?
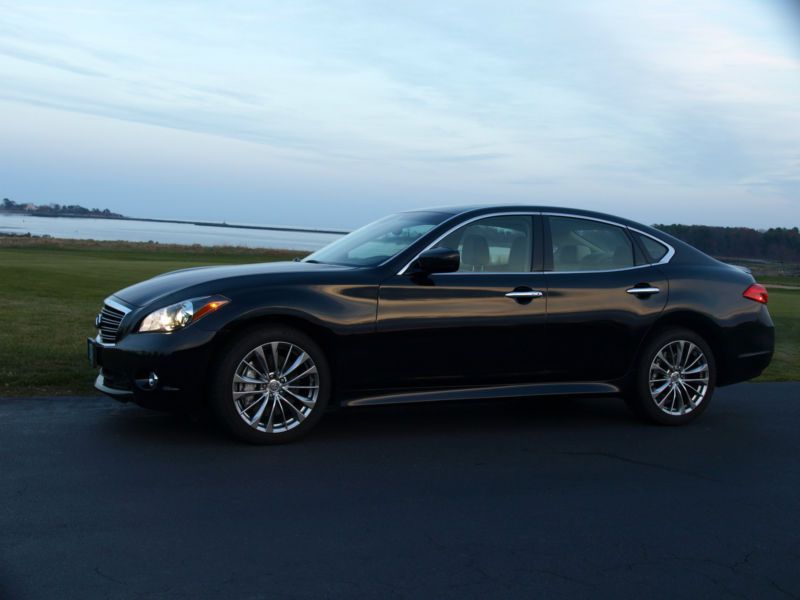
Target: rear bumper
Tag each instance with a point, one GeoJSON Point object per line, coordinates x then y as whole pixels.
{"type": "Point", "coordinates": [179, 362]}
{"type": "Point", "coordinates": [746, 366]}
{"type": "Point", "coordinates": [747, 350]}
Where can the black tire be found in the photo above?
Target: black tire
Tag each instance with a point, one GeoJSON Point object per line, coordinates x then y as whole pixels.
{"type": "Point", "coordinates": [639, 397]}
{"type": "Point", "coordinates": [221, 397]}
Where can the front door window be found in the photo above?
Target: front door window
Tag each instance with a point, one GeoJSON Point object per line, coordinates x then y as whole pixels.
{"type": "Point", "coordinates": [493, 245]}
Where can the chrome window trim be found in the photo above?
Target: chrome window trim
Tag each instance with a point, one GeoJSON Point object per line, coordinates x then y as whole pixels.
{"type": "Point", "coordinates": [598, 270]}
{"type": "Point", "coordinates": [467, 222]}
{"type": "Point", "coordinates": [670, 250]}
{"type": "Point", "coordinates": [664, 259]}
{"type": "Point", "coordinates": [117, 306]}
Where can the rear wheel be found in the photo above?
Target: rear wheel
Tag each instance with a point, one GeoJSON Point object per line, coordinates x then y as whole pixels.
{"type": "Point", "coordinates": [675, 378]}
{"type": "Point", "coordinates": [271, 386]}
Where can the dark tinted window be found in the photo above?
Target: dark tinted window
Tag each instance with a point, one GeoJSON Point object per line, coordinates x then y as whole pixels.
{"type": "Point", "coordinates": [655, 250]}
{"type": "Point", "coordinates": [493, 244]}
{"type": "Point", "coordinates": [586, 245]}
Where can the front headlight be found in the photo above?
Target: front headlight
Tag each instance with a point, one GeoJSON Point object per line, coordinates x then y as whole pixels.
{"type": "Point", "coordinates": [178, 316]}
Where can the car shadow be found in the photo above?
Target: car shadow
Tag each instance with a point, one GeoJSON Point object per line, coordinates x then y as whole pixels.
{"type": "Point", "coordinates": [469, 417]}
{"type": "Point", "coordinates": [396, 421]}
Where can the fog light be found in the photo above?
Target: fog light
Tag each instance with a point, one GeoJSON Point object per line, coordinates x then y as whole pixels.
{"type": "Point", "coordinates": [148, 383]}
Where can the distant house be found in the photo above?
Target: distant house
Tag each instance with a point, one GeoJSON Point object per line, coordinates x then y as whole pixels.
{"type": "Point", "coordinates": [28, 206]}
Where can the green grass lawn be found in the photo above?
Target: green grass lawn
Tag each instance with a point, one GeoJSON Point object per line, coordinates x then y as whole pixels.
{"type": "Point", "coordinates": [784, 306]}
{"type": "Point", "coordinates": [51, 290]}
{"type": "Point", "coordinates": [778, 279]}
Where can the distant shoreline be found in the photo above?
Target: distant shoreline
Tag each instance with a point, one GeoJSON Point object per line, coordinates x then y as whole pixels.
{"type": "Point", "coordinates": [179, 222]}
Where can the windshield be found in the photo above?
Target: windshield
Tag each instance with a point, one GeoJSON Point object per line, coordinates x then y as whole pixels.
{"type": "Point", "coordinates": [379, 241]}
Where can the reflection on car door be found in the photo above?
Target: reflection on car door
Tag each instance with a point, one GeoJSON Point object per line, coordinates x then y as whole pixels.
{"type": "Point", "coordinates": [483, 325]}
{"type": "Point", "coordinates": [596, 318]}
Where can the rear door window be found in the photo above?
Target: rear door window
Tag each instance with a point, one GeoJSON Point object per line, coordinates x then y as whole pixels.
{"type": "Point", "coordinates": [587, 245]}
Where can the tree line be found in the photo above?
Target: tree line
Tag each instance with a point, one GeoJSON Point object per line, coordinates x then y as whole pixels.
{"type": "Point", "coordinates": [56, 210]}
{"type": "Point", "coordinates": [780, 244]}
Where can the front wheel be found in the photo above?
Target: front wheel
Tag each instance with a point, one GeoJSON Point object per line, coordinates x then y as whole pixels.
{"type": "Point", "coordinates": [271, 385]}
{"type": "Point", "coordinates": [675, 378]}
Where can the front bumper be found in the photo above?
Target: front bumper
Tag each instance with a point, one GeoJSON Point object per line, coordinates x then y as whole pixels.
{"type": "Point", "coordinates": [179, 361]}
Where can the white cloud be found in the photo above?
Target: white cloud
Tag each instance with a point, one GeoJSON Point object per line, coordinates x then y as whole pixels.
{"type": "Point", "coordinates": [590, 103]}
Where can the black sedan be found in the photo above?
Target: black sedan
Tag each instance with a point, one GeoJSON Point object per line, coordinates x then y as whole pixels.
{"type": "Point", "coordinates": [441, 304]}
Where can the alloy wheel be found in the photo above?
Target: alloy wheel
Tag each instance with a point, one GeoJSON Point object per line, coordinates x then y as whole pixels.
{"type": "Point", "coordinates": [275, 387]}
{"type": "Point", "coordinates": [679, 377]}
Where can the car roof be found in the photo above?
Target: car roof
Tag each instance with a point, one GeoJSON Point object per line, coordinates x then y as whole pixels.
{"type": "Point", "coordinates": [467, 209]}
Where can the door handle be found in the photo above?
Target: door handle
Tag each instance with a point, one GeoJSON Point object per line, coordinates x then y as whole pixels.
{"type": "Point", "coordinates": [525, 294]}
{"type": "Point", "coordinates": [643, 290]}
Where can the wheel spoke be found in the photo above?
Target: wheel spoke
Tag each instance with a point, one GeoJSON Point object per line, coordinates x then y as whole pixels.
{"type": "Point", "coordinates": [274, 347]}
{"type": "Point", "coordinates": [283, 413]}
{"type": "Point", "coordinates": [252, 404]}
{"type": "Point", "coordinates": [681, 401]}
{"type": "Point", "coordinates": [300, 415]}
{"type": "Point", "coordinates": [260, 412]}
{"type": "Point", "coordinates": [298, 361]}
{"type": "Point", "coordinates": [286, 360]}
{"type": "Point", "coordinates": [305, 401]}
{"type": "Point", "coordinates": [690, 395]}
{"type": "Point", "coordinates": [699, 356]}
{"type": "Point", "coordinates": [239, 378]}
{"type": "Point", "coordinates": [262, 360]}
{"type": "Point", "coordinates": [663, 359]}
{"type": "Point", "coordinates": [697, 391]}
{"type": "Point", "coordinates": [699, 369]}
{"type": "Point", "coordinates": [679, 357]}
{"type": "Point", "coordinates": [309, 371]}
{"type": "Point", "coordinates": [269, 426]}
{"type": "Point", "coordinates": [658, 367]}
{"type": "Point", "coordinates": [256, 370]}
{"type": "Point", "coordinates": [674, 353]}
{"type": "Point", "coordinates": [658, 390]}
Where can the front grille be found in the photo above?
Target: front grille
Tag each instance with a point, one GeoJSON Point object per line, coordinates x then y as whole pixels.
{"type": "Point", "coordinates": [108, 323]}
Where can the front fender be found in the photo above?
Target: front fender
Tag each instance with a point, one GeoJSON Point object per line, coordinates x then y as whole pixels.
{"type": "Point", "coordinates": [340, 308]}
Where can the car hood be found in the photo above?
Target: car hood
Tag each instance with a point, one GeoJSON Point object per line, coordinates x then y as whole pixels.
{"type": "Point", "coordinates": [216, 280]}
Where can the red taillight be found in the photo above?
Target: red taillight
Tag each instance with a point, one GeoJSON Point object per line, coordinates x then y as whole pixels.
{"type": "Point", "coordinates": [757, 292]}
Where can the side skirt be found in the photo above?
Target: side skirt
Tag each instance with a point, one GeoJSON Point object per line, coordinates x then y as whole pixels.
{"type": "Point", "coordinates": [479, 393]}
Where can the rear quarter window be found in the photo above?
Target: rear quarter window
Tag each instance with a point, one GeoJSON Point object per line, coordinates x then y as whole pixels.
{"type": "Point", "coordinates": [655, 250]}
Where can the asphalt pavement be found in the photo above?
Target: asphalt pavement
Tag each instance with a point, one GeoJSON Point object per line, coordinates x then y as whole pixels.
{"type": "Point", "coordinates": [535, 498]}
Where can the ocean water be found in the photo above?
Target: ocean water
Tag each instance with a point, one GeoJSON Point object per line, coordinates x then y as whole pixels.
{"type": "Point", "coordinates": [165, 233]}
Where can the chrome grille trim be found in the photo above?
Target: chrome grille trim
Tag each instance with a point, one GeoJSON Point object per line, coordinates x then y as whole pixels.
{"type": "Point", "coordinates": [109, 320]}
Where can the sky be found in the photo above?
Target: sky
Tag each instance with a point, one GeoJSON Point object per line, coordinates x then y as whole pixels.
{"type": "Point", "coordinates": [337, 112]}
